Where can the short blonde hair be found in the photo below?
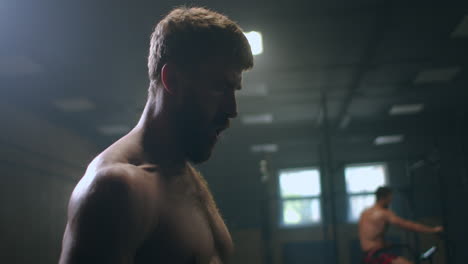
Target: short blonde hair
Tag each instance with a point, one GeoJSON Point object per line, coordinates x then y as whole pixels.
{"type": "Point", "coordinates": [189, 36]}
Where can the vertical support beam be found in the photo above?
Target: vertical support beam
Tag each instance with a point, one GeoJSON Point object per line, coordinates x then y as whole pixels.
{"type": "Point", "coordinates": [265, 212]}
{"type": "Point", "coordinates": [448, 250]}
{"type": "Point", "coordinates": [409, 194]}
{"type": "Point", "coordinates": [443, 186]}
{"type": "Point", "coordinates": [330, 225]}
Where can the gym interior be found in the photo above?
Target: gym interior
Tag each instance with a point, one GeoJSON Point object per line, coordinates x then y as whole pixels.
{"type": "Point", "coordinates": [344, 97]}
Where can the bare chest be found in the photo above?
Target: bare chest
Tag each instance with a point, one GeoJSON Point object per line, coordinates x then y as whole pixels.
{"type": "Point", "coordinates": [190, 231]}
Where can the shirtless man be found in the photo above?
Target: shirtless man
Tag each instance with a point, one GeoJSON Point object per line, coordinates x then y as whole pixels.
{"type": "Point", "coordinates": [140, 200]}
{"type": "Point", "coordinates": [373, 225]}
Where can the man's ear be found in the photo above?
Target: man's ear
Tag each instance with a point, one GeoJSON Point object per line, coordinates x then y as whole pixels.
{"type": "Point", "coordinates": [169, 77]}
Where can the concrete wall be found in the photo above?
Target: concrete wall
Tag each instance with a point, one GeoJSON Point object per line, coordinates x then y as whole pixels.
{"type": "Point", "coordinates": [39, 165]}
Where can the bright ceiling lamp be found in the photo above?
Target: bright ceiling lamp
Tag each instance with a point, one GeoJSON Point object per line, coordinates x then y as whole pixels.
{"type": "Point", "coordinates": [437, 75]}
{"type": "Point", "coordinates": [390, 139]}
{"type": "Point", "coordinates": [406, 109]}
{"type": "Point", "coordinates": [256, 119]}
{"type": "Point", "coordinates": [18, 65]}
{"type": "Point", "coordinates": [255, 41]}
{"type": "Point", "coordinates": [74, 104]}
{"type": "Point", "coordinates": [264, 148]}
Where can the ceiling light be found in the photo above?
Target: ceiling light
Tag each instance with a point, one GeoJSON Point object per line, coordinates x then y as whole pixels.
{"type": "Point", "coordinates": [436, 75]}
{"type": "Point", "coordinates": [391, 139]}
{"type": "Point", "coordinates": [256, 119]}
{"type": "Point", "coordinates": [255, 41]}
{"type": "Point", "coordinates": [79, 104]}
{"type": "Point", "coordinates": [19, 65]}
{"type": "Point", "coordinates": [259, 90]}
{"type": "Point", "coordinates": [462, 29]}
{"type": "Point", "coordinates": [113, 130]}
{"type": "Point", "coordinates": [406, 109]}
{"type": "Point", "coordinates": [265, 148]}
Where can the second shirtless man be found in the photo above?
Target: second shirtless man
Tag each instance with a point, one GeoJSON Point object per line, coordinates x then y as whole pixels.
{"type": "Point", "coordinates": [141, 201]}
{"type": "Point", "coordinates": [373, 224]}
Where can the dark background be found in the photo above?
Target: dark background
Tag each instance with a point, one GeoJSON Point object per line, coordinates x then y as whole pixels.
{"type": "Point", "coordinates": [73, 79]}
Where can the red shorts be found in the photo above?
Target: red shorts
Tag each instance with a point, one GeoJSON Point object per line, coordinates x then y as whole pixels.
{"type": "Point", "coordinates": [374, 257]}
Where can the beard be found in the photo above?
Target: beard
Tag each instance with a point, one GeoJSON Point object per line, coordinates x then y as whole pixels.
{"type": "Point", "coordinates": [198, 147]}
{"type": "Point", "coordinates": [195, 134]}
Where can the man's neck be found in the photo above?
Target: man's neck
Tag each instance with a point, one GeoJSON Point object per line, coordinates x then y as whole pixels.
{"type": "Point", "coordinates": [157, 136]}
{"type": "Point", "coordinates": [381, 205]}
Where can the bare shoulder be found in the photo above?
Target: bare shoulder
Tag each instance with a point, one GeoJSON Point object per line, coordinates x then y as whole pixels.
{"type": "Point", "coordinates": [367, 212]}
{"type": "Point", "coordinates": [390, 216]}
{"type": "Point", "coordinates": [120, 191]}
{"type": "Point", "coordinates": [135, 180]}
{"type": "Point", "coordinates": [108, 216]}
{"type": "Point", "coordinates": [387, 212]}
{"type": "Point", "coordinates": [123, 180]}
{"type": "Point", "coordinates": [374, 214]}
{"type": "Point", "coordinates": [385, 215]}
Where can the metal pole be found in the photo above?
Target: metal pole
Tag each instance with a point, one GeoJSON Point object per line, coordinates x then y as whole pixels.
{"type": "Point", "coordinates": [328, 165]}
{"type": "Point", "coordinates": [410, 197]}
{"type": "Point", "coordinates": [265, 212]}
{"type": "Point", "coordinates": [443, 187]}
{"type": "Point", "coordinates": [443, 199]}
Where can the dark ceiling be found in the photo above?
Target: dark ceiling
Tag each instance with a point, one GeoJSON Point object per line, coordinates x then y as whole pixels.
{"type": "Point", "coordinates": [363, 56]}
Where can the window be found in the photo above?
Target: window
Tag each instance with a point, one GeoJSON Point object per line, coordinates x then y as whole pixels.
{"type": "Point", "coordinates": [361, 182]}
{"type": "Point", "coordinates": [300, 192]}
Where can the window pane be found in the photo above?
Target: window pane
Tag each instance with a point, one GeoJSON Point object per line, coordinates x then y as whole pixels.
{"type": "Point", "coordinates": [299, 183]}
{"type": "Point", "coordinates": [364, 178]}
{"type": "Point", "coordinates": [301, 212]}
{"type": "Point", "coordinates": [357, 204]}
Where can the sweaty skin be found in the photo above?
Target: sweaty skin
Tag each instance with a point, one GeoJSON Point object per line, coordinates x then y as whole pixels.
{"type": "Point", "coordinates": [141, 201]}
{"type": "Point", "coordinates": [155, 216]}
{"type": "Point", "coordinates": [374, 223]}
{"type": "Point", "coordinates": [372, 226]}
